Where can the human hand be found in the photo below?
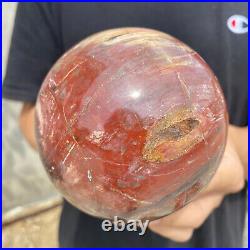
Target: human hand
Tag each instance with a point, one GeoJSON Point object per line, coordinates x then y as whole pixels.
{"type": "Point", "coordinates": [229, 178]}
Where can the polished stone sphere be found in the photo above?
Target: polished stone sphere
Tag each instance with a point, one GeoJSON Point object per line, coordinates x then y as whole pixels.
{"type": "Point", "coordinates": [130, 122]}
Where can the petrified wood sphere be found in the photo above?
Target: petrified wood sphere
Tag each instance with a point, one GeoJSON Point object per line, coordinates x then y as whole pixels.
{"type": "Point", "coordinates": [130, 122]}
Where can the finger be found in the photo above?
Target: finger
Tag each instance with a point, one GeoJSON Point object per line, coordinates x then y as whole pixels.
{"type": "Point", "coordinates": [229, 177]}
{"type": "Point", "coordinates": [193, 215]}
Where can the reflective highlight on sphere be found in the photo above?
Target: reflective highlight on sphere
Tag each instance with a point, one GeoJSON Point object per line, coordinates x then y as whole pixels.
{"type": "Point", "coordinates": [132, 123]}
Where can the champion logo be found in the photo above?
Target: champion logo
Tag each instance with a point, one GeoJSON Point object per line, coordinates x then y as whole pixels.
{"type": "Point", "coordinates": [238, 24]}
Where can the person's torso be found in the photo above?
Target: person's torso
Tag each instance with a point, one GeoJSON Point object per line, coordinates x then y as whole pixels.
{"type": "Point", "coordinates": [202, 26]}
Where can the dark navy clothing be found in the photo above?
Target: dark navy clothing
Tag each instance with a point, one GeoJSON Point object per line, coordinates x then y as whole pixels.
{"type": "Point", "coordinates": [44, 31]}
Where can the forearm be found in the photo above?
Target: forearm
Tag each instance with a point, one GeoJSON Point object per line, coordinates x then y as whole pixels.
{"type": "Point", "coordinates": [27, 123]}
{"type": "Point", "coordinates": [239, 136]}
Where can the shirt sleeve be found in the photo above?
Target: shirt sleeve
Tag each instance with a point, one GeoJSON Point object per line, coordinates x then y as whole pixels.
{"type": "Point", "coordinates": [35, 46]}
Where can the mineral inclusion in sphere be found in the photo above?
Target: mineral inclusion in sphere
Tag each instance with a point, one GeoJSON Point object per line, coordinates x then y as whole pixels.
{"type": "Point", "coordinates": [132, 123]}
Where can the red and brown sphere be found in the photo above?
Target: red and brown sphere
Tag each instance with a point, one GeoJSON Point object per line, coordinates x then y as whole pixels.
{"type": "Point", "coordinates": [130, 122]}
